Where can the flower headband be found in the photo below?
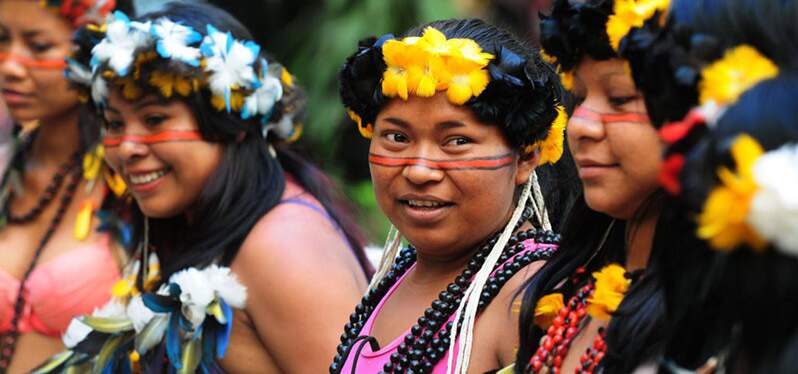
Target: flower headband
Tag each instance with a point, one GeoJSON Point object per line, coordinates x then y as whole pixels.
{"type": "Point", "coordinates": [239, 80]}
{"type": "Point", "coordinates": [80, 12]}
{"type": "Point", "coordinates": [756, 202]}
{"type": "Point", "coordinates": [629, 14]}
{"type": "Point", "coordinates": [430, 63]}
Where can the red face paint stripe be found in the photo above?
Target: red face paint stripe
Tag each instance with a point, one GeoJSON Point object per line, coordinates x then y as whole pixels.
{"type": "Point", "coordinates": [33, 63]}
{"type": "Point", "coordinates": [481, 163]}
{"type": "Point", "coordinates": [584, 113]}
{"type": "Point", "coordinates": [161, 137]}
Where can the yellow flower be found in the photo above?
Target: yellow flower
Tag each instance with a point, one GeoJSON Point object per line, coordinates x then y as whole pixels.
{"type": "Point", "coordinates": [740, 69]}
{"type": "Point", "coordinates": [567, 80]}
{"type": "Point", "coordinates": [142, 59]}
{"type": "Point", "coordinates": [286, 78]}
{"type": "Point", "coordinates": [365, 131]}
{"type": "Point", "coordinates": [93, 163]}
{"type": "Point", "coordinates": [549, 59]}
{"type": "Point", "coordinates": [611, 285]}
{"type": "Point", "coordinates": [115, 183]}
{"type": "Point", "coordinates": [631, 13]}
{"type": "Point", "coordinates": [547, 308]}
{"type": "Point", "coordinates": [83, 220]}
{"type": "Point", "coordinates": [169, 83]}
{"type": "Point", "coordinates": [124, 288]}
{"type": "Point", "coordinates": [464, 70]}
{"type": "Point", "coordinates": [236, 102]}
{"type": "Point", "coordinates": [405, 60]}
{"type": "Point", "coordinates": [130, 89]}
{"type": "Point", "coordinates": [722, 220]}
{"type": "Point", "coordinates": [551, 148]}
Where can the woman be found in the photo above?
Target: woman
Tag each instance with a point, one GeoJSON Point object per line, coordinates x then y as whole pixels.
{"type": "Point", "coordinates": [57, 260]}
{"type": "Point", "coordinates": [733, 80]}
{"type": "Point", "coordinates": [255, 268]}
{"type": "Point", "coordinates": [459, 114]}
{"type": "Point", "coordinates": [599, 302]}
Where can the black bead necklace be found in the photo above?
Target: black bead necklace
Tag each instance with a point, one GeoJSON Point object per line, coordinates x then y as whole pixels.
{"type": "Point", "coordinates": [428, 340]}
{"type": "Point", "coordinates": [47, 197]}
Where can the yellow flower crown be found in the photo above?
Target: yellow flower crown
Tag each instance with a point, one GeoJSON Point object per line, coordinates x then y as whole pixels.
{"type": "Point", "coordinates": [424, 65]}
{"type": "Point", "coordinates": [741, 68]}
{"type": "Point", "coordinates": [628, 14]}
{"type": "Point", "coordinates": [611, 286]}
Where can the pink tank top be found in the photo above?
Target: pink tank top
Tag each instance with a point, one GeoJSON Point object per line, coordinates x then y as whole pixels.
{"type": "Point", "coordinates": [370, 362]}
{"type": "Point", "coordinates": [69, 285]}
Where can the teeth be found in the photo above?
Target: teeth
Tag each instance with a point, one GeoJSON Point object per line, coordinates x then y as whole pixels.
{"type": "Point", "coordinates": [423, 203]}
{"type": "Point", "coordinates": [146, 178]}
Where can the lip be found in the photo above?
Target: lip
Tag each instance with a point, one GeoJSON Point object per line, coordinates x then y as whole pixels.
{"type": "Point", "coordinates": [423, 216]}
{"type": "Point", "coordinates": [146, 188]}
{"type": "Point", "coordinates": [13, 98]}
{"type": "Point", "coordinates": [589, 168]}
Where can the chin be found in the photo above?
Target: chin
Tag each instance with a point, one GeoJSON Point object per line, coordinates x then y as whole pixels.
{"type": "Point", "coordinates": [604, 204]}
{"type": "Point", "coordinates": [153, 209]}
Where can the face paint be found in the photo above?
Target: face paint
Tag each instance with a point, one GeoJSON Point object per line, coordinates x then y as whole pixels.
{"type": "Point", "coordinates": [476, 163]}
{"type": "Point", "coordinates": [161, 137]}
{"type": "Point", "coordinates": [605, 118]}
{"type": "Point", "coordinates": [51, 64]}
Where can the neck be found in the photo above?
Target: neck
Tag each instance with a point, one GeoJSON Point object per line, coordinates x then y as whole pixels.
{"type": "Point", "coordinates": [435, 269]}
{"type": "Point", "coordinates": [56, 140]}
{"type": "Point", "coordinates": [640, 236]}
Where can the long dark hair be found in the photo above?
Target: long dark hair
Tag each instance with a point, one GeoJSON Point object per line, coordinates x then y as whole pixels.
{"type": "Point", "coordinates": [248, 182]}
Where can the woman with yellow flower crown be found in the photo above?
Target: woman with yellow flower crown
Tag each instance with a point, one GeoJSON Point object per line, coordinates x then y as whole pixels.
{"type": "Point", "coordinates": [727, 98]}
{"type": "Point", "coordinates": [62, 227]}
{"type": "Point", "coordinates": [598, 304]}
{"type": "Point", "coordinates": [459, 114]}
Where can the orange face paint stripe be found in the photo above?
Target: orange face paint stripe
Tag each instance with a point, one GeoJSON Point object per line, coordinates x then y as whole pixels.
{"type": "Point", "coordinates": [161, 137]}
{"type": "Point", "coordinates": [628, 117]}
{"type": "Point", "coordinates": [477, 163]}
{"type": "Point", "coordinates": [51, 64]}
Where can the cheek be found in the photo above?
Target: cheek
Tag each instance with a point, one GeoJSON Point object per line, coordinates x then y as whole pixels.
{"type": "Point", "coordinates": [486, 201]}
{"type": "Point", "coordinates": [54, 90]}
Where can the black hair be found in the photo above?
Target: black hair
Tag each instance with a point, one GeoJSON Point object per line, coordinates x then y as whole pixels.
{"type": "Point", "coordinates": [249, 181]}
{"type": "Point", "coordinates": [575, 29]}
{"type": "Point", "coordinates": [521, 97]}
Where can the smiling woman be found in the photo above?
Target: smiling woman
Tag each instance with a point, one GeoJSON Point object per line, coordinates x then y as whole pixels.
{"type": "Point", "coordinates": [460, 115]}
{"type": "Point", "coordinates": [242, 261]}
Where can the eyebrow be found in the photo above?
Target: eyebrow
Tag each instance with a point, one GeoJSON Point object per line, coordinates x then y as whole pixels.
{"type": "Point", "coordinates": [31, 33]}
{"type": "Point", "coordinates": [137, 106]}
{"type": "Point", "coordinates": [398, 122]}
{"type": "Point", "coordinates": [448, 124]}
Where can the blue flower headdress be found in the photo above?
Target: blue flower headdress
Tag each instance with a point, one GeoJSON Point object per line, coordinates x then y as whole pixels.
{"type": "Point", "coordinates": [169, 58]}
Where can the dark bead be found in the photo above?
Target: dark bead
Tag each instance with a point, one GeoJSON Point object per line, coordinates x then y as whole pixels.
{"type": "Point", "coordinates": [388, 367]}
{"type": "Point", "coordinates": [445, 296]}
{"type": "Point", "coordinates": [402, 348]}
{"type": "Point", "coordinates": [501, 279]}
{"type": "Point", "coordinates": [474, 264]}
{"type": "Point", "coordinates": [442, 349]}
{"type": "Point", "coordinates": [423, 321]}
{"type": "Point", "coordinates": [429, 313]}
{"type": "Point", "coordinates": [453, 288]}
{"type": "Point", "coordinates": [436, 341]}
{"type": "Point", "coordinates": [409, 339]}
{"type": "Point", "coordinates": [439, 305]}
{"type": "Point", "coordinates": [415, 355]}
{"type": "Point", "coordinates": [438, 316]}
{"type": "Point", "coordinates": [426, 366]}
{"type": "Point", "coordinates": [427, 334]}
{"type": "Point", "coordinates": [433, 324]}
{"type": "Point", "coordinates": [461, 281]}
{"type": "Point", "coordinates": [482, 304]}
{"type": "Point", "coordinates": [415, 330]}
{"type": "Point", "coordinates": [354, 317]}
{"type": "Point", "coordinates": [485, 295]}
{"type": "Point", "coordinates": [523, 235]}
{"type": "Point", "coordinates": [420, 343]}
{"type": "Point", "coordinates": [335, 367]}
{"type": "Point", "coordinates": [395, 357]}
{"type": "Point", "coordinates": [468, 273]}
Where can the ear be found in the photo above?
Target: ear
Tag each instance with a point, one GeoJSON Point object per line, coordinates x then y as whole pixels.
{"type": "Point", "coordinates": [527, 162]}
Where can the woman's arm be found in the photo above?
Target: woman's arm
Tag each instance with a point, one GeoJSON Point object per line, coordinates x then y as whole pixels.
{"type": "Point", "coordinates": [302, 282]}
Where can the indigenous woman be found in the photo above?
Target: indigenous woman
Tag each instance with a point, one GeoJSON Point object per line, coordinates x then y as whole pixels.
{"type": "Point", "coordinates": [459, 114]}
{"type": "Point", "coordinates": [242, 264]}
{"type": "Point", "coordinates": [57, 260]}
{"type": "Point", "coordinates": [598, 304]}
{"type": "Point", "coordinates": [733, 162]}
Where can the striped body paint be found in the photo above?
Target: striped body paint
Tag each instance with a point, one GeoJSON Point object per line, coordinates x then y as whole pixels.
{"type": "Point", "coordinates": [605, 118]}
{"type": "Point", "coordinates": [161, 137]}
{"type": "Point", "coordinates": [475, 163]}
{"type": "Point", "coordinates": [51, 64]}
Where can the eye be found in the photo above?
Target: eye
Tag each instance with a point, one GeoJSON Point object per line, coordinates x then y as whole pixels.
{"type": "Point", "coordinates": [154, 119]}
{"type": "Point", "coordinates": [112, 126]}
{"type": "Point", "coordinates": [618, 101]}
{"type": "Point", "coordinates": [41, 47]}
{"type": "Point", "coordinates": [458, 140]}
{"type": "Point", "coordinates": [396, 137]}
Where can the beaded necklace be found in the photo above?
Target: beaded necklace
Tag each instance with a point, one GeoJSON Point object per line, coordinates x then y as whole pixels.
{"type": "Point", "coordinates": [428, 340]}
{"type": "Point", "coordinates": [554, 346]}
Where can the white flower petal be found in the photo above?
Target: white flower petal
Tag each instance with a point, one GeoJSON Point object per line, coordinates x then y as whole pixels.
{"type": "Point", "coordinates": [226, 286]}
{"type": "Point", "coordinates": [774, 209]}
{"type": "Point", "coordinates": [138, 313]}
{"type": "Point", "coordinates": [194, 288]}
{"type": "Point", "coordinates": [75, 333]}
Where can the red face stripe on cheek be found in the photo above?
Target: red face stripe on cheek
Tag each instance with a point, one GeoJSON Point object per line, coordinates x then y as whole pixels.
{"type": "Point", "coordinates": [476, 163]}
{"type": "Point", "coordinates": [51, 64]}
{"type": "Point", "coordinates": [161, 137]}
{"type": "Point", "coordinates": [628, 117]}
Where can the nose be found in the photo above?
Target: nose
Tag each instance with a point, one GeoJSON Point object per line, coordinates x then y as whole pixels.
{"type": "Point", "coordinates": [422, 172]}
{"type": "Point", "coordinates": [11, 67]}
{"type": "Point", "coordinates": [129, 150]}
{"type": "Point", "coordinates": [585, 124]}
